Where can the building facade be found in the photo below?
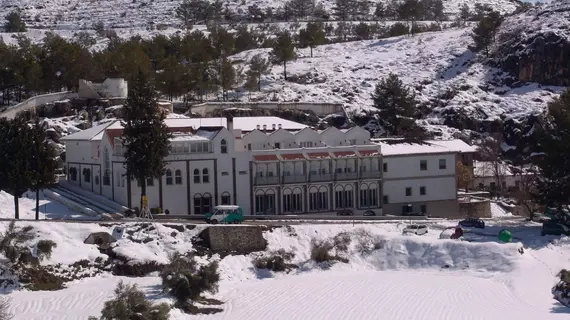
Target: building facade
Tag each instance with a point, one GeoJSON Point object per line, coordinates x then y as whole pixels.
{"type": "Point", "coordinates": [269, 165]}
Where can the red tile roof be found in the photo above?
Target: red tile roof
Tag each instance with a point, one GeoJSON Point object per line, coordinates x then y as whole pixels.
{"type": "Point", "coordinates": [318, 155]}
{"type": "Point", "coordinates": [344, 154]}
{"type": "Point", "coordinates": [293, 156]}
{"type": "Point", "coordinates": [369, 153]}
{"type": "Point", "coordinates": [266, 157]}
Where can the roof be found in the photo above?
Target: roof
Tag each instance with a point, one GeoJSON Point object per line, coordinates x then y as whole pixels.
{"type": "Point", "coordinates": [266, 157]}
{"type": "Point", "coordinates": [486, 169]}
{"type": "Point", "coordinates": [178, 136]}
{"type": "Point", "coordinates": [399, 147]}
{"type": "Point", "coordinates": [318, 155]}
{"type": "Point", "coordinates": [91, 134]}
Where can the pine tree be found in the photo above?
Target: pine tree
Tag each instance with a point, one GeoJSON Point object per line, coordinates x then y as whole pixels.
{"type": "Point", "coordinates": [283, 50]}
{"type": "Point", "coordinates": [312, 35]}
{"type": "Point", "coordinates": [554, 167]}
{"type": "Point", "coordinates": [395, 102]}
{"type": "Point", "coordinates": [43, 163]}
{"type": "Point", "coordinates": [344, 9]}
{"type": "Point", "coordinates": [484, 33]}
{"type": "Point", "coordinates": [410, 11]}
{"type": "Point", "coordinates": [302, 8]}
{"type": "Point", "coordinates": [258, 66]}
{"type": "Point", "coordinates": [380, 11]}
{"type": "Point", "coordinates": [464, 13]}
{"type": "Point", "coordinates": [14, 22]}
{"type": "Point", "coordinates": [185, 13]}
{"type": "Point", "coordinates": [251, 82]}
{"type": "Point", "coordinates": [145, 135]}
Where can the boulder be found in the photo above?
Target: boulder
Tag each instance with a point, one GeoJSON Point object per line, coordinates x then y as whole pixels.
{"type": "Point", "coordinates": [101, 239]}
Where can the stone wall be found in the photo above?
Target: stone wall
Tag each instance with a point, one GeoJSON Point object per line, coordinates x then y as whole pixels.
{"type": "Point", "coordinates": [239, 239]}
{"type": "Point", "coordinates": [36, 101]}
{"type": "Point", "coordinates": [321, 109]}
{"type": "Point", "coordinates": [475, 208]}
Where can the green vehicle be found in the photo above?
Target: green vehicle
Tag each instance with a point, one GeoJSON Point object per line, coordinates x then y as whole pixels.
{"type": "Point", "coordinates": [554, 228]}
{"type": "Point", "coordinates": [225, 214]}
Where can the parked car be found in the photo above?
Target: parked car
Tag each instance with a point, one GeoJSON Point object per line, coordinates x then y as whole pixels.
{"type": "Point", "coordinates": [472, 223]}
{"type": "Point", "coordinates": [369, 213]}
{"type": "Point", "coordinates": [417, 229]}
{"type": "Point", "coordinates": [225, 214]}
{"type": "Point", "coordinates": [345, 212]}
{"type": "Point", "coordinates": [554, 228]}
{"type": "Point", "coordinates": [540, 217]}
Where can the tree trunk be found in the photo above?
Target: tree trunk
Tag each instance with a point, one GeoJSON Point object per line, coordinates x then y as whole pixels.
{"type": "Point", "coordinates": [143, 191]}
{"type": "Point", "coordinates": [38, 204]}
{"type": "Point", "coordinates": [311, 51]}
{"type": "Point", "coordinates": [16, 207]}
{"type": "Point", "coordinates": [285, 69]}
{"type": "Point", "coordinates": [259, 81]}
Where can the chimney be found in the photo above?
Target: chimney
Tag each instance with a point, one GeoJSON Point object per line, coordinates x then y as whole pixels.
{"type": "Point", "coordinates": [230, 122]}
{"type": "Point", "coordinates": [273, 125]}
{"type": "Point", "coordinates": [258, 127]}
{"type": "Point", "coordinates": [264, 128]}
{"type": "Point", "coordinates": [279, 126]}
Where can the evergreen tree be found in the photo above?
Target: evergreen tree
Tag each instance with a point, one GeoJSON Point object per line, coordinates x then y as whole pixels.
{"type": "Point", "coordinates": [437, 10]}
{"type": "Point", "coordinates": [484, 33]}
{"type": "Point", "coordinates": [283, 50]}
{"type": "Point", "coordinates": [380, 11]}
{"type": "Point", "coordinates": [145, 135]}
{"type": "Point", "coordinates": [43, 163]}
{"type": "Point", "coordinates": [410, 11]}
{"type": "Point", "coordinates": [362, 31]}
{"type": "Point", "coordinates": [170, 79]}
{"type": "Point", "coordinates": [344, 9]}
{"type": "Point", "coordinates": [252, 82]}
{"type": "Point", "coordinates": [464, 13]}
{"type": "Point", "coordinates": [301, 8]}
{"type": "Point", "coordinates": [553, 186]}
{"type": "Point", "coordinates": [258, 66]}
{"type": "Point", "coordinates": [14, 22]}
{"type": "Point", "coordinates": [185, 13]}
{"type": "Point", "coordinates": [312, 35]}
{"type": "Point", "coordinates": [395, 103]}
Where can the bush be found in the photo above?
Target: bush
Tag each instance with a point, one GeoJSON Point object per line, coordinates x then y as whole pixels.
{"type": "Point", "coordinates": [561, 290]}
{"type": "Point", "coordinates": [277, 261]}
{"type": "Point", "coordinates": [44, 249]}
{"type": "Point", "coordinates": [4, 306]}
{"type": "Point", "coordinates": [130, 303]}
{"type": "Point", "coordinates": [321, 251]}
{"type": "Point", "coordinates": [186, 281]}
{"type": "Point", "coordinates": [398, 29]}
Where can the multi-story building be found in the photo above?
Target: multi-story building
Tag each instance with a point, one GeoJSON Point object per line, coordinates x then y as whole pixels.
{"type": "Point", "coordinates": [269, 165]}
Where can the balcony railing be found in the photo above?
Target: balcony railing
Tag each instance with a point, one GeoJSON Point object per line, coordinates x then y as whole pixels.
{"type": "Point", "coordinates": [370, 175]}
{"type": "Point", "coordinates": [346, 176]}
{"type": "Point", "coordinates": [294, 179]}
{"type": "Point", "coordinates": [266, 180]}
{"type": "Point", "coordinates": [320, 177]}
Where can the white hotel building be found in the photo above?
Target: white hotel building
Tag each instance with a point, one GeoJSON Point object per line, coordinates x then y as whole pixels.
{"type": "Point", "coordinates": [269, 165]}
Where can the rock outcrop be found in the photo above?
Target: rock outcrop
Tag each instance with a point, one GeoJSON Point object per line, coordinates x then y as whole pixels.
{"type": "Point", "coordinates": [534, 46]}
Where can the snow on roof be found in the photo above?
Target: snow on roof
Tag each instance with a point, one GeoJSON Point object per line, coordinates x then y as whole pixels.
{"type": "Point", "coordinates": [94, 133]}
{"type": "Point", "coordinates": [187, 137]}
{"type": "Point", "coordinates": [395, 147]}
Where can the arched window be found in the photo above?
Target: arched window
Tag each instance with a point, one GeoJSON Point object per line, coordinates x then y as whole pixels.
{"type": "Point", "coordinates": [86, 175]}
{"type": "Point", "coordinates": [196, 176]}
{"type": "Point", "coordinates": [205, 176]}
{"type": "Point", "coordinates": [265, 201]}
{"type": "Point", "coordinates": [106, 168]}
{"type": "Point", "coordinates": [292, 200]}
{"type": "Point", "coordinates": [73, 173]}
{"type": "Point", "coordinates": [226, 198]}
{"type": "Point", "coordinates": [168, 177]}
{"type": "Point", "coordinates": [178, 177]}
{"type": "Point", "coordinates": [343, 195]}
{"type": "Point", "coordinates": [224, 146]}
{"type": "Point", "coordinates": [202, 203]}
{"type": "Point", "coordinates": [318, 198]}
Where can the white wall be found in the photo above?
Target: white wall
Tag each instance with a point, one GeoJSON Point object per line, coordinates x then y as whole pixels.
{"type": "Point", "coordinates": [409, 166]}
{"type": "Point", "coordinates": [174, 197]}
{"type": "Point", "coordinates": [285, 139]}
{"type": "Point", "coordinates": [359, 134]}
{"type": "Point", "coordinates": [243, 185]}
{"type": "Point", "coordinates": [80, 151]}
{"type": "Point", "coordinates": [37, 101]}
{"type": "Point", "coordinates": [333, 137]}
{"type": "Point", "coordinates": [257, 139]}
{"type": "Point", "coordinates": [308, 135]}
{"type": "Point", "coordinates": [443, 188]}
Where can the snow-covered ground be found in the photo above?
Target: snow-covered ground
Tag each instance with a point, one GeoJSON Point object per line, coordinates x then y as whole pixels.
{"type": "Point", "coordinates": [27, 204]}
{"type": "Point", "coordinates": [388, 276]}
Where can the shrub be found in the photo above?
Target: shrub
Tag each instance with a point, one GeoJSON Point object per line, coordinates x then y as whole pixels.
{"type": "Point", "coordinates": [130, 303]}
{"type": "Point", "coordinates": [561, 290]}
{"type": "Point", "coordinates": [277, 261]}
{"type": "Point", "coordinates": [4, 306]}
{"type": "Point", "coordinates": [44, 249]}
{"type": "Point", "coordinates": [186, 281]}
{"type": "Point", "coordinates": [321, 251]}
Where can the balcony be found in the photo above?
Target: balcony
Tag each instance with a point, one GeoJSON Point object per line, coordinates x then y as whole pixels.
{"type": "Point", "coordinates": [294, 179]}
{"type": "Point", "coordinates": [370, 175]}
{"type": "Point", "coordinates": [259, 181]}
{"type": "Point", "coordinates": [320, 177]}
{"type": "Point", "coordinates": [346, 176]}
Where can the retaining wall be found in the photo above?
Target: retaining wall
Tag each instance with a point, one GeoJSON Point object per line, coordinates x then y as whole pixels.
{"type": "Point", "coordinates": [475, 209]}
{"type": "Point", "coordinates": [317, 108]}
{"type": "Point", "coordinates": [37, 101]}
{"type": "Point", "coordinates": [240, 239]}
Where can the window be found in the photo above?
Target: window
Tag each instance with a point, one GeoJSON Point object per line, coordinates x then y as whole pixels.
{"type": "Point", "coordinates": [106, 168]}
{"type": "Point", "coordinates": [292, 202]}
{"type": "Point", "coordinates": [368, 198]}
{"type": "Point", "coordinates": [343, 198]}
{"type": "Point", "coordinates": [205, 176]}
{"type": "Point", "coordinates": [226, 198]}
{"type": "Point", "coordinates": [422, 191]}
{"type": "Point", "coordinates": [178, 177]}
{"type": "Point", "coordinates": [277, 145]}
{"type": "Point", "coordinates": [118, 179]}
{"type": "Point", "coordinates": [318, 200]}
{"type": "Point", "coordinates": [196, 176]}
{"type": "Point", "coordinates": [249, 146]}
{"type": "Point", "coordinates": [442, 164]}
{"type": "Point", "coordinates": [168, 177]}
{"type": "Point", "coordinates": [264, 202]}
{"type": "Point", "coordinates": [352, 142]}
{"type": "Point", "coordinates": [423, 165]}
{"type": "Point", "coordinates": [202, 203]}
{"type": "Point", "coordinates": [241, 173]}
{"type": "Point", "coordinates": [481, 186]}
{"type": "Point", "coordinates": [423, 208]}
{"type": "Point", "coordinates": [224, 146]}
{"type": "Point", "coordinates": [385, 199]}
{"type": "Point", "coordinates": [225, 173]}
{"type": "Point", "coordinates": [86, 175]}
{"type": "Point", "coordinates": [408, 192]}
{"type": "Point", "coordinates": [385, 167]}
{"type": "Point", "coordinates": [407, 208]}
{"type": "Point", "coordinates": [150, 182]}
{"type": "Point", "coordinates": [73, 174]}
{"type": "Point", "coordinates": [119, 149]}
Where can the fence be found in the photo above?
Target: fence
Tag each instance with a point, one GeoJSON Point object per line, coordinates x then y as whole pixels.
{"type": "Point", "coordinates": [37, 101]}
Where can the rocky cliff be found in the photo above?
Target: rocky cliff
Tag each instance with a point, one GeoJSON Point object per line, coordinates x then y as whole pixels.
{"type": "Point", "coordinates": [534, 46]}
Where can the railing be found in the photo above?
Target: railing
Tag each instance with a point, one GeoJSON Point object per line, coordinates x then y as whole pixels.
{"type": "Point", "coordinates": [294, 179]}
{"type": "Point", "coordinates": [370, 175]}
{"type": "Point", "coordinates": [346, 176]}
{"type": "Point", "coordinates": [320, 177]}
{"type": "Point", "coordinates": [266, 180]}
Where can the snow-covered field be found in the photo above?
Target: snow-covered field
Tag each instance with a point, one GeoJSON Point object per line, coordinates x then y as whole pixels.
{"type": "Point", "coordinates": [388, 276]}
{"type": "Point", "coordinates": [27, 204]}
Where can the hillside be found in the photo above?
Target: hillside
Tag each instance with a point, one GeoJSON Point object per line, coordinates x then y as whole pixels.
{"type": "Point", "coordinates": [80, 14]}
{"type": "Point", "coordinates": [455, 89]}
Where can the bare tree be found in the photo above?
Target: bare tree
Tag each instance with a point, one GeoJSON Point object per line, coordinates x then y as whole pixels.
{"type": "Point", "coordinates": [525, 192]}
{"type": "Point", "coordinates": [464, 176]}
{"type": "Point", "coordinates": [492, 164]}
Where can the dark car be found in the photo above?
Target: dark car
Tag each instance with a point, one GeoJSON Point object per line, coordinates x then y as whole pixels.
{"type": "Point", "coordinates": [345, 212]}
{"type": "Point", "coordinates": [369, 213]}
{"type": "Point", "coordinates": [554, 228]}
{"type": "Point", "coordinates": [472, 223]}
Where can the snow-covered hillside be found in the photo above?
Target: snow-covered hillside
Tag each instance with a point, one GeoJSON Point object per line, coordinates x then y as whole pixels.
{"type": "Point", "coordinates": [76, 14]}
{"type": "Point", "coordinates": [447, 78]}
{"type": "Point", "coordinates": [399, 277]}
